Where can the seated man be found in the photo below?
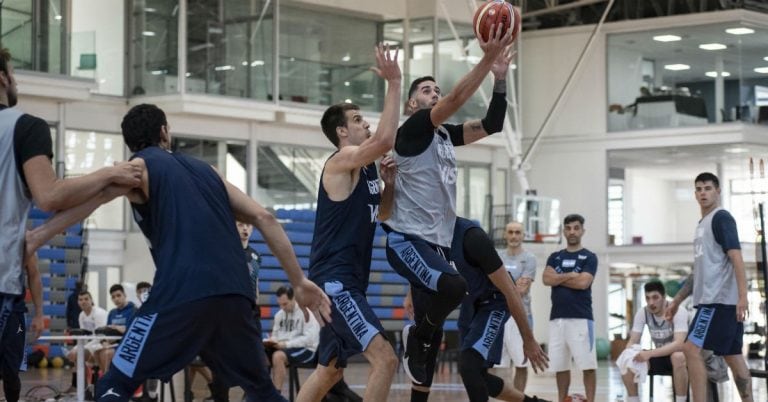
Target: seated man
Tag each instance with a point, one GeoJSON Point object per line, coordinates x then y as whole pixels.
{"type": "Point", "coordinates": [118, 320]}
{"type": "Point", "coordinates": [293, 340]}
{"type": "Point", "coordinates": [667, 337]}
{"type": "Point", "coordinates": [91, 317]}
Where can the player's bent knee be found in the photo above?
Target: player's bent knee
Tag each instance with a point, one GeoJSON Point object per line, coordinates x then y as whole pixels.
{"type": "Point", "coordinates": [495, 384]}
{"type": "Point", "coordinates": [452, 287]}
{"type": "Point", "coordinates": [678, 359]}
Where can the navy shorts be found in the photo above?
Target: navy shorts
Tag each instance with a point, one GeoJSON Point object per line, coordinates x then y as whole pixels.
{"type": "Point", "coordinates": [420, 262]}
{"type": "Point", "coordinates": [484, 332]}
{"type": "Point", "coordinates": [295, 355]}
{"type": "Point", "coordinates": [715, 328]}
{"type": "Point", "coordinates": [13, 329]}
{"type": "Point", "coordinates": [352, 328]}
{"type": "Point", "coordinates": [221, 329]}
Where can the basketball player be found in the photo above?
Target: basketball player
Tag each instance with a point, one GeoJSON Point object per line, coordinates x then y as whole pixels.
{"type": "Point", "coordinates": [348, 204]}
{"type": "Point", "coordinates": [484, 312]}
{"type": "Point", "coordinates": [719, 293]}
{"type": "Point", "coordinates": [421, 226]}
{"type": "Point", "coordinates": [201, 292]}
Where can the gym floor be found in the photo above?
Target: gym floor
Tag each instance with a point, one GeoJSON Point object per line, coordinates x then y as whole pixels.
{"type": "Point", "coordinates": [447, 388]}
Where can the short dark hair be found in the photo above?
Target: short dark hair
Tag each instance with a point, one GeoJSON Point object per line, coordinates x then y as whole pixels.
{"type": "Point", "coordinates": [573, 218]}
{"type": "Point", "coordinates": [116, 287]}
{"type": "Point", "coordinates": [84, 293]}
{"type": "Point", "coordinates": [705, 177]}
{"type": "Point", "coordinates": [335, 116]}
{"type": "Point", "coordinates": [5, 59]}
{"type": "Point", "coordinates": [143, 285]}
{"type": "Point", "coordinates": [141, 126]}
{"type": "Point", "coordinates": [285, 290]}
{"type": "Point", "coordinates": [416, 82]}
{"type": "Point", "coordinates": [655, 286]}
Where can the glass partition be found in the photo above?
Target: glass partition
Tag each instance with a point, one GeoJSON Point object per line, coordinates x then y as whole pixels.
{"type": "Point", "coordinates": [34, 32]}
{"type": "Point", "coordinates": [325, 59]}
{"type": "Point", "coordinates": [230, 48]}
{"type": "Point", "coordinates": [289, 176]}
{"type": "Point", "coordinates": [230, 158]}
{"type": "Point", "coordinates": [687, 76]}
{"type": "Point", "coordinates": [97, 45]}
{"type": "Point", "coordinates": [154, 44]}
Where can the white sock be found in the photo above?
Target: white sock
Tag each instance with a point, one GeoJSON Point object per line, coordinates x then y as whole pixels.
{"type": "Point", "coordinates": [634, 399]}
{"type": "Point", "coordinates": [680, 398]}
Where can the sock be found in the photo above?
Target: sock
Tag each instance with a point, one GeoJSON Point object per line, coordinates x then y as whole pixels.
{"type": "Point", "coordinates": [680, 398]}
{"type": "Point", "coordinates": [419, 396]}
{"type": "Point", "coordinates": [634, 399]}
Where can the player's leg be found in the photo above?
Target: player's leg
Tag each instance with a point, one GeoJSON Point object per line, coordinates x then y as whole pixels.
{"type": "Point", "coordinates": [700, 336]}
{"type": "Point", "coordinates": [320, 382]}
{"type": "Point", "coordinates": [628, 379]}
{"type": "Point", "coordinates": [581, 343]}
{"type": "Point", "coordinates": [12, 350]}
{"type": "Point", "coordinates": [680, 375]}
{"type": "Point", "coordinates": [421, 303]}
{"type": "Point", "coordinates": [383, 362]}
{"type": "Point", "coordinates": [518, 356]}
{"type": "Point", "coordinates": [559, 357]}
{"type": "Point", "coordinates": [741, 376]}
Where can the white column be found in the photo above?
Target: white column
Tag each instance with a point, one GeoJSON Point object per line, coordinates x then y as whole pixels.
{"type": "Point", "coordinates": [719, 90]}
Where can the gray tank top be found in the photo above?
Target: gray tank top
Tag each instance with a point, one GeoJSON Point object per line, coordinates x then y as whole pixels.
{"type": "Point", "coordinates": [16, 202]}
{"type": "Point", "coordinates": [714, 280]}
{"type": "Point", "coordinates": [425, 192]}
{"type": "Point", "coordinates": [662, 331]}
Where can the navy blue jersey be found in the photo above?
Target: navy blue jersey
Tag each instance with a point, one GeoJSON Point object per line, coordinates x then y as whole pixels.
{"type": "Point", "coordinates": [343, 236]}
{"type": "Point", "coordinates": [479, 286]}
{"type": "Point", "coordinates": [567, 302]}
{"type": "Point", "coordinates": [121, 316]}
{"type": "Point", "coordinates": [191, 231]}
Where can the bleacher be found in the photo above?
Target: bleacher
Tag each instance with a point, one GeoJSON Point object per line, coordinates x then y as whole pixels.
{"type": "Point", "coordinates": [62, 263]}
{"type": "Point", "coordinates": [386, 288]}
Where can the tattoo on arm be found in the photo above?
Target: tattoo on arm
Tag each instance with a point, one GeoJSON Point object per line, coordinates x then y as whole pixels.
{"type": "Point", "coordinates": [685, 291]}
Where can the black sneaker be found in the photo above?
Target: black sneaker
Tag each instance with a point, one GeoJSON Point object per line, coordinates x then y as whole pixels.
{"type": "Point", "coordinates": [535, 399]}
{"type": "Point", "coordinates": [415, 356]}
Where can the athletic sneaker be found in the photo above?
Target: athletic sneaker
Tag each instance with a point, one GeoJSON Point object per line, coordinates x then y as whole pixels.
{"type": "Point", "coordinates": [534, 399]}
{"type": "Point", "coordinates": [415, 356]}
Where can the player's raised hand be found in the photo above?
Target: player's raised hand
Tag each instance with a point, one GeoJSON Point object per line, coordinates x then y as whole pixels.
{"type": "Point", "coordinates": [498, 42]}
{"type": "Point", "coordinates": [311, 299]}
{"type": "Point", "coordinates": [388, 170]}
{"type": "Point", "coordinates": [501, 63]}
{"type": "Point", "coordinates": [386, 63]}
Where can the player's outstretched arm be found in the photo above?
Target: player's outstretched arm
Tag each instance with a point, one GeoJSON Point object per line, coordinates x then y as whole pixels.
{"type": "Point", "coordinates": [467, 85]}
{"type": "Point", "coordinates": [741, 282]}
{"type": "Point", "coordinates": [307, 294]}
{"type": "Point", "coordinates": [501, 279]}
{"type": "Point", "coordinates": [53, 194]}
{"type": "Point", "coordinates": [36, 290]}
{"type": "Point", "coordinates": [388, 171]}
{"type": "Point", "coordinates": [353, 157]}
{"type": "Point", "coordinates": [493, 122]}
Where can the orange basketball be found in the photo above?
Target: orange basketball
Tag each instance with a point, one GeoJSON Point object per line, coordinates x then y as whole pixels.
{"type": "Point", "coordinates": [495, 12]}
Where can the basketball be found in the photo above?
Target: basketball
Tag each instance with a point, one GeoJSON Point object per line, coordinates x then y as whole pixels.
{"type": "Point", "coordinates": [495, 12]}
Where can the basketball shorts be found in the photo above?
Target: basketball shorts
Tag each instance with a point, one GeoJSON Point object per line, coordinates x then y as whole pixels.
{"type": "Point", "coordinates": [420, 262]}
{"type": "Point", "coordinates": [13, 330]}
{"type": "Point", "coordinates": [352, 328]}
{"type": "Point", "coordinates": [485, 332]}
{"type": "Point", "coordinates": [513, 345]}
{"type": "Point", "coordinates": [715, 328]}
{"type": "Point", "coordinates": [571, 339]}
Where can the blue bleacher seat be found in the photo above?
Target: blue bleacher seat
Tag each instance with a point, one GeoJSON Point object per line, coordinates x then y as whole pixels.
{"type": "Point", "coordinates": [55, 309]}
{"type": "Point", "coordinates": [308, 227]}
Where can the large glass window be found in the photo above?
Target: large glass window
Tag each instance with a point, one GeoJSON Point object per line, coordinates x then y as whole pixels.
{"type": "Point", "coordinates": [230, 48]}
{"type": "Point", "coordinates": [86, 152]}
{"type": "Point", "coordinates": [229, 157]}
{"type": "Point", "coordinates": [687, 76]}
{"type": "Point", "coordinates": [325, 59]}
{"type": "Point", "coordinates": [98, 43]}
{"type": "Point", "coordinates": [473, 192]}
{"type": "Point", "coordinates": [288, 176]}
{"type": "Point", "coordinates": [33, 31]}
{"type": "Point", "coordinates": [154, 45]}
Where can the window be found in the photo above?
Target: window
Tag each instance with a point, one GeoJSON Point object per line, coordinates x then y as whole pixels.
{"type": "Point", "coordinates": [228, 157]}
{"type": "Point", "coordinates": [154, 43]}
{"type": "Point", "coordinates": [289, 176]}
{"type": "Point", "coordinates": [616, 213]}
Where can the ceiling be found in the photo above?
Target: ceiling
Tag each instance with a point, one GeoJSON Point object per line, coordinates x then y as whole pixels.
{"type": "Point", "coordinates": [743, 54]}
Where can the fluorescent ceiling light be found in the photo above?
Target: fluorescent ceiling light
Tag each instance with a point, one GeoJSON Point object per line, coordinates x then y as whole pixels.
{"type": "Point", "coordinates": [713, 74]}
{"type": "Point", "coordinates": [257, 63]}
{"type": "Point", "coordinates": [346, 57]}
{"type": "Point", "coordinates": [765, 58]}
{"type": "Point", "coordinates": [677, 67]}
{"type": "Point", "coordinates": [157, 72]}
{"type": "Point", "coordinates": [346, 83]}
{"type": "Point", "coordinates": [666, 38]}
{"type": "Point", "coordinates": [347, 100]}
{"type": "Point", "coordinates": [148, 33]}
{"type": "Point", "coordinates": [736, 150]}
{"type": "Point", "coordinates": [224, 68]}
{"type": "Point", "coordinates": [740, 31]}
{"type": "Point", "coordinates": [57, 18]}
{"type": "Point", "coordinates": [763, 70]}
{"type": "Point", "coordinates": [713, 46]}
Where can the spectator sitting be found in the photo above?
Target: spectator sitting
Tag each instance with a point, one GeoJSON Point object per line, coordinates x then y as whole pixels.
{"type": "Point", "coordinates": [73, 307]}
{"type": "Point", "coordinates": [142, 291]}
{"type": "Point", "coordinates": [91, 317]}
{"type": "Point", "coordinates": [293, 340]}
{"type": "Point", "coordinates": [118, 320]}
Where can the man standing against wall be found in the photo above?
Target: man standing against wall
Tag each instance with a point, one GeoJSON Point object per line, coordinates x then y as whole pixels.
{"type": "Point", "coordinates": [521, 265]}
{"type": "Point", "coordinates": [719, 287]}
{"type": "Point", "coordinates": [570, 273]}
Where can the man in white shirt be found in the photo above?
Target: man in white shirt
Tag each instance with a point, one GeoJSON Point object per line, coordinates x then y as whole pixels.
{"type": "Point", "coordinates": [90, 318]}
{"type": "Point", "coordinates": [667, 337]}
{"type": "Point", "coordinates": [293, 340]}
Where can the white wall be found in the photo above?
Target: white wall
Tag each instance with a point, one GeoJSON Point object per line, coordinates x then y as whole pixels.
{"type": "Point", "coordinates": [98, 27]}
